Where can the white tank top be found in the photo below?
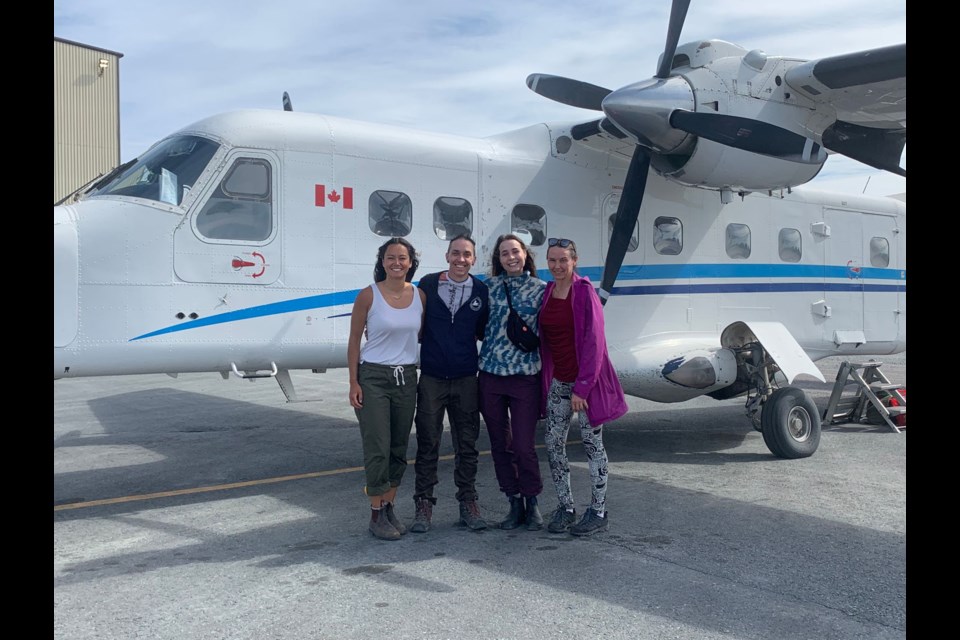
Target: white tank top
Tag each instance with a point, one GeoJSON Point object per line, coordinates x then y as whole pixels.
{"type": "Point", "coordinates": [392, 333]}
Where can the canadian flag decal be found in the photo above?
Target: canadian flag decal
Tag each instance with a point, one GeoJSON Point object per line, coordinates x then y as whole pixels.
{"type": "Point", "coordinates": [344, 198]}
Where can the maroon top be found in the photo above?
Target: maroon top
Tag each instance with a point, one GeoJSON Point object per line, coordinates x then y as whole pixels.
{"type": "Point", "coordinates": [556, 327]}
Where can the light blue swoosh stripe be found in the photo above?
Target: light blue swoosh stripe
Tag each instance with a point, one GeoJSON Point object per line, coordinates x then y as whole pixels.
{"type": "Point", "coordinates": [627, 272]}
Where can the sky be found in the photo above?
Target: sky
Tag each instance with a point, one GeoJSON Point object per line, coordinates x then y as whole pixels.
{"type": "Point", "coordinates": [445, 66]}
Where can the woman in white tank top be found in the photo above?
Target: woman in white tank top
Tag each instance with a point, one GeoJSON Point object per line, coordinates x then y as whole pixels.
{"type": "Point", "coordinates": [383, 376]}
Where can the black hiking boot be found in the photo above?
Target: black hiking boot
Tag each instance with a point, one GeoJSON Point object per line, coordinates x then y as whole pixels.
{"type": "Point", "coordinates": [516, 516]}
{"type": "Point", "coordinates": [532, 516]}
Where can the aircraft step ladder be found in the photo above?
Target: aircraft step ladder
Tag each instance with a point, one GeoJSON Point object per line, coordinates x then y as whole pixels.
{"type": "Point", "coordinates": [851, 405]}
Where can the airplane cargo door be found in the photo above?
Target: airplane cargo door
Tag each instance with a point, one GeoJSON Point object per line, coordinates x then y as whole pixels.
{"type": "Point", "coordinates": [881, 308]}
{"type": "Point", "coordinates": [861, 272]}
{"type": "Point", "coordinates": [232, 234]}
{"type": "Point", "coordinates": [843, 282]}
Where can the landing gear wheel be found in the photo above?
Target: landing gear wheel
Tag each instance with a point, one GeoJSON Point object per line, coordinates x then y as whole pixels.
{"type": "Point", "coordinates": [790, 423]}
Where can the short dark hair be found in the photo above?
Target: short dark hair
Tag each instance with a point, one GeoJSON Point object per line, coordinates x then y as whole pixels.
{"type": "Point", "coordinates": [380, 274]}
{"type": "Point", "coordinates": [528, 264]}
{"type": "Point", "coordinates": [462, 236]}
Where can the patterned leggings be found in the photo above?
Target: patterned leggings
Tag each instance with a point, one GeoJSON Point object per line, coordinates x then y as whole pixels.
{"type": "Point", "coordinates": [559, 413]}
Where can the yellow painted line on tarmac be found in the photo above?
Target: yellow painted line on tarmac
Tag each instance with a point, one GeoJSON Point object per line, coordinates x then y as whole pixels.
{"type": "Point", "coordinates": [227, 487]}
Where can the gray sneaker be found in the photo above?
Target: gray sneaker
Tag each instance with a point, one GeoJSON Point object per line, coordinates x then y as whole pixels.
{"type": "Point", "coordinates": [421, 521]}
{"type": "Point", "coordinates": [470, 515]}
{"type": "Point", "coordinates": [562, 520]}
{"type": "Point", "coordinates": [591, 523]}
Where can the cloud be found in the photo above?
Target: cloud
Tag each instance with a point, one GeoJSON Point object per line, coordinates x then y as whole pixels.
{"type": "Point", "coordinates": [441, 66]}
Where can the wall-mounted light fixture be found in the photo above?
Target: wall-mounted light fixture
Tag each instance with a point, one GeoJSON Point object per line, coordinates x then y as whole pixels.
{"type": "Point", "coordinates": [103, 64]}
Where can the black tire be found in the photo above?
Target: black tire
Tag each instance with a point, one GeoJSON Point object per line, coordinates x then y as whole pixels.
{"type": "Point", "coordinates": [790, 424]}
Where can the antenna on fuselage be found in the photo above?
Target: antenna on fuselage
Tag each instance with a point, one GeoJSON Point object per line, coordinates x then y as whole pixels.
{"type": "Point", "coordinates": [287, 105]}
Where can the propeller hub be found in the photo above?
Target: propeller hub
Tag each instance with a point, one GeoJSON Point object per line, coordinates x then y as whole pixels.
{"type": "Point", "coordinates": [642, 110]}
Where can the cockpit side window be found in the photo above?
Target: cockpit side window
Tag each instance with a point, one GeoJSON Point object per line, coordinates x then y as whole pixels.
{"type": "Point", "coordinates": [241, 207]}
{"type": "Point", "coordinates": [165, 173]}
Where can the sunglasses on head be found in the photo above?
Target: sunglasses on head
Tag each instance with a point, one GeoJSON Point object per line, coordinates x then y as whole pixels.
{"type": "Point", "coordinates": [563, 243]}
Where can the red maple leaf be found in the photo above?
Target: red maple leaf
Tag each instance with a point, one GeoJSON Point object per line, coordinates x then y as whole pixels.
{"type": "Point", "coordinates": [334, 196]}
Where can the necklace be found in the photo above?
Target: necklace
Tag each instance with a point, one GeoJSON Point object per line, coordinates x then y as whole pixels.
{"type": "Point", "coordinates": [396, 296]}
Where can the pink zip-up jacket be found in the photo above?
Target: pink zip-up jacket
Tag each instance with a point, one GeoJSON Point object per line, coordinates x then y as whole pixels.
{"type": "Point", "coordinates": [597, 380]}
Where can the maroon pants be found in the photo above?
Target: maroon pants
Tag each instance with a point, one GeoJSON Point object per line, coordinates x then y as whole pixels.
{"type": "Point", "coordinates": [510, 406]}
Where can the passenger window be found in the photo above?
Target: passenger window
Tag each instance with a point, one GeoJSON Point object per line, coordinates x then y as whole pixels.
{"type": "Point", "coordinates": [452, 217]}
{"type": "Point", "coordinates": [390, 214]}
{"type": "Point", "coordinates": [532, 219]}
{"type": "Point", "coordinates": [634, 237]}
{"type": "Point", "coordinates": [667, 236]}
{"type": "Point", "coordinates": [241, 208]}
{"type": "Point", "coordinates": [879, 252]}
{"type": "Point", "coordinates": [790, 245]}
{"type": "Point", "coordinates": [738, 241]}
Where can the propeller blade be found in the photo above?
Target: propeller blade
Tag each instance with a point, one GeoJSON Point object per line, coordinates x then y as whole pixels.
{"type": "Point", "coordinates": [566, 91]}
{"type": "Point", "coordinates": [678, 13]}
{"type": "Point", "coordinates": [751, 135]}
{"type": "Point", "coordinates": [623, 224]}
{"type": "Point", "coordinates": [287, 105]}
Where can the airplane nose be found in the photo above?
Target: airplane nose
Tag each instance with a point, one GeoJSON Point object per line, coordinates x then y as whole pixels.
{"type": "Point", "coordinates": [66, 281]}
{"type": "Point", "coordinates": [643, 110]}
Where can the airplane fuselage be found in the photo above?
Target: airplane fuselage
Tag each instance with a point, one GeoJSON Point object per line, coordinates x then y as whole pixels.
{"type": "Point", "coordinates": [252, 264]}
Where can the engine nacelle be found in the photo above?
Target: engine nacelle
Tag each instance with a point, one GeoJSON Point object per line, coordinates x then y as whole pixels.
{"type": "Point", "coordinates": [675, 369]}
{"type": "Point", "coordinates": [716, 166]}
{"type": "Point", "coordinates": [727, 79]}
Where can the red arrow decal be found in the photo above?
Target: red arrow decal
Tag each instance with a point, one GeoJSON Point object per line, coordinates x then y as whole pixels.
{"type": "Point", "coordinates": [263, 264]}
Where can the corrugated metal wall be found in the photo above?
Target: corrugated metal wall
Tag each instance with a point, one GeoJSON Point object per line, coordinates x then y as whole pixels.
{"type": "Point", "coordinates": [86, 115]}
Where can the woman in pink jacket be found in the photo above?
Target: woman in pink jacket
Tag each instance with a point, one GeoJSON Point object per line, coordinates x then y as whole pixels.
{"type": "Point", "coordinates": [577, 378]}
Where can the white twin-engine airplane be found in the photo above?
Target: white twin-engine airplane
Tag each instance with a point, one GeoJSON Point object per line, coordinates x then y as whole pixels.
{"type": "Point", "coordinates": [239, 243]}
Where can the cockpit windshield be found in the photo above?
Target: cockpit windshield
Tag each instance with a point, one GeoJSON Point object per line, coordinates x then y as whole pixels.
{"type": "Point", "coordinates": [165, 173]}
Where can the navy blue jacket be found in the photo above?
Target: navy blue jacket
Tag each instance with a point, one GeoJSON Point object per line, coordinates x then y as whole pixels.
{"type": "Point", "coordinates": [448, 346]}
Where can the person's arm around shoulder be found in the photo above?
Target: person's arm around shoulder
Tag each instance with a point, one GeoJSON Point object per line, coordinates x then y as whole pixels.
{"type": "Point", "coordinates": [483, 294]}
{"type": "Point", "coordinates": [358, 321]}
{"type": "Point", "coordinates": [423, 311]}
{"type": "Point", "coordinates": [491, 323]}
{"type": "Point", "coordinates": [421, 288]}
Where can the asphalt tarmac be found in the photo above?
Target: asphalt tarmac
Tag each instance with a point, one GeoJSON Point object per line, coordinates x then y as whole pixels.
{"type": "Point", "coordinates": [198, 507]}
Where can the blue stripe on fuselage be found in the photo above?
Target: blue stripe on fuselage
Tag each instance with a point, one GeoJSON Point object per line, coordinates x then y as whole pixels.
{"type": "Point", "coordinates": [854, 282]}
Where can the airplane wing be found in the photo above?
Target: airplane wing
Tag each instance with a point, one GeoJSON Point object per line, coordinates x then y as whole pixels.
{"type": "Point", "coordinates": [603, 136]}
{"type": "Point", "coordinates": [868, 92]}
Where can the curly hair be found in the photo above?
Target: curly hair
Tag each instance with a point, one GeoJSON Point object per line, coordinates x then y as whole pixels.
{"type": "Point", "coordinates": [380, 274]}
{"type": "Point", "coordinates": [528, 265]}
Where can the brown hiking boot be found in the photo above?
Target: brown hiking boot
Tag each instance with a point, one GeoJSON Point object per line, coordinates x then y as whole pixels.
{"type": "Point", "coordinates": [421, 521]}
{"type": "Point", "coordinates": [470, 515]}
{"type": "Point", "coordinates": [392, 518]}
{"type": "Point", "coordinates": [380, 526]}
